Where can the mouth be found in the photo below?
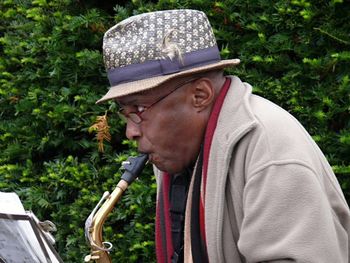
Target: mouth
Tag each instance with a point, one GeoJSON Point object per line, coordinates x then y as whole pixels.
{"type": "Point", "coordinates": [153, 158]}
{"type": "Point", "coordinates": [141, 151]}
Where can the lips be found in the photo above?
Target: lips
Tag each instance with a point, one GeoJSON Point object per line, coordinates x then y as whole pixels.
{"type": "Point", "coordinates": [142, 151]}
{"type": "Point", "coordinates": [153, 158]}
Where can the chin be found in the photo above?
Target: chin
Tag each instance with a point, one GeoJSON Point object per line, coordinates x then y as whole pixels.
{"type": "Point", "coordinates": [171, 170]}
{"type": "Point", "coordinates": [164, 169]}
{"type": "Point", "coordinates": [167, 169]}
{"type": "Point", "coordinates": [166, 165]}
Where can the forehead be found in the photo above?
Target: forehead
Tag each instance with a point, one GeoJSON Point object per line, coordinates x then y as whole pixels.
{"type": "Point", "coordinates": [149, 95]}
{"type": "Point", "coordinates": [144, 96]}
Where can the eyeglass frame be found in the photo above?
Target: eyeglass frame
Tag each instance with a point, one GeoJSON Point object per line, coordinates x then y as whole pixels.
{"type": "Point", "coordinates": [136, 118]}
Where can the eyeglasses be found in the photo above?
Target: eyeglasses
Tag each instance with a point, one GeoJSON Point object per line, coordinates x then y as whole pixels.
{"type": "Point", "coordinates": [136, 116]}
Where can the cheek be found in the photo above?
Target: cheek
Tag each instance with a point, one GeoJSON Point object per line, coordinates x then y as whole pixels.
{"type": "Point", "coordinates": [174, 137]}
{"type": "Point", "coordinates": [164, 131]}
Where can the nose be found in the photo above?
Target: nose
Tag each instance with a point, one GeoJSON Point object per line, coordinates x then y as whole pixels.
{"type": "Point", "coordinates": [133, 130]}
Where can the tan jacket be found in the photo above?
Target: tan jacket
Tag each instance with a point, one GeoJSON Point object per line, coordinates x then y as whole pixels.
{"type": "Point", "coordinates": [271, 194]}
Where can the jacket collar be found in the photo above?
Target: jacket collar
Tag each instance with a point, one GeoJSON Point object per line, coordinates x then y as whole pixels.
{"type": "Point", "coordinates": [236, 119]}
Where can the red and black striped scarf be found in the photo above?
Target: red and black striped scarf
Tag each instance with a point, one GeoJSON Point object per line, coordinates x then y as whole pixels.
{"type": "Point", "coordinates": [164, 246]}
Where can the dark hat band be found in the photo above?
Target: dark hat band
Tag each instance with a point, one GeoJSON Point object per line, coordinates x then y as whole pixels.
{"type": "Point", "coordinates": [153, 68]}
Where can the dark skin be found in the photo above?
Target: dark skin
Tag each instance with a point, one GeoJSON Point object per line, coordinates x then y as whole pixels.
{"type": "Point", "coordinates": [172, 131]}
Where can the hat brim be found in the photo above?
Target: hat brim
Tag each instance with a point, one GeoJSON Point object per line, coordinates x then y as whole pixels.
{"type": "Point", "coordinates": [129, 88]}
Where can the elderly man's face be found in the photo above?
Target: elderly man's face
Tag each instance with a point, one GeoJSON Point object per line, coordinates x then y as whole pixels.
{"type": "Point", "coordinates": [171, 131]}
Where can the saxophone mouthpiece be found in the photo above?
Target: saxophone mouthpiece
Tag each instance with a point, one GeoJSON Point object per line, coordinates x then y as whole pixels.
{"type": "Point", "coordinates": [133, 167]}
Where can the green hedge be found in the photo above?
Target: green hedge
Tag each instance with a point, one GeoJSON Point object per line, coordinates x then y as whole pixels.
{"type": "Point", "coordinates": [296, 53]}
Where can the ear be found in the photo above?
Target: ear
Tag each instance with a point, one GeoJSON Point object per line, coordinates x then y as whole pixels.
{"type": "Point", "coordinates": [203, 94]}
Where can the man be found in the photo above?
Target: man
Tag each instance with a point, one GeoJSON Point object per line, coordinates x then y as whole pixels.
{"type": "Point", "coordinates": [239, 179]}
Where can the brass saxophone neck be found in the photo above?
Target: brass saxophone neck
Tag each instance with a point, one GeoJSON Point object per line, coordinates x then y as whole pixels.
{"type": "Point", "coordinates": [94, 223]}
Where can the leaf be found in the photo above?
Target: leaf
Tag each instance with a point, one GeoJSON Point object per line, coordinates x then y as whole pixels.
{"type": "Point", "coordinates": [102, 131]}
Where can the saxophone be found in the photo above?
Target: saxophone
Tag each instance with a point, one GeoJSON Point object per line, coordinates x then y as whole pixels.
{"type": "Point", "coordinates": [94, 223]}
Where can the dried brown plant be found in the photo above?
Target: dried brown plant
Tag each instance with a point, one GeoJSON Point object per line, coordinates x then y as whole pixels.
{"type": "Point", "coordinates": [102, 131]}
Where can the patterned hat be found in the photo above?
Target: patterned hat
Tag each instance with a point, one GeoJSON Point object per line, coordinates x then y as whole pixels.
{"type": "Point", "coordinates": [146, 50]}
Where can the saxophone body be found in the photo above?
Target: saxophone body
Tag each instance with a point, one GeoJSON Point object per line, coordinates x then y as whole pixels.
{"type": "Point", "coordinates": [94, 223]}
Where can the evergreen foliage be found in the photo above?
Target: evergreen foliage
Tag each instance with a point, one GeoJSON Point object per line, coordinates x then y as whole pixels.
{"type": "Point", "coordinates": [294, 52]}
